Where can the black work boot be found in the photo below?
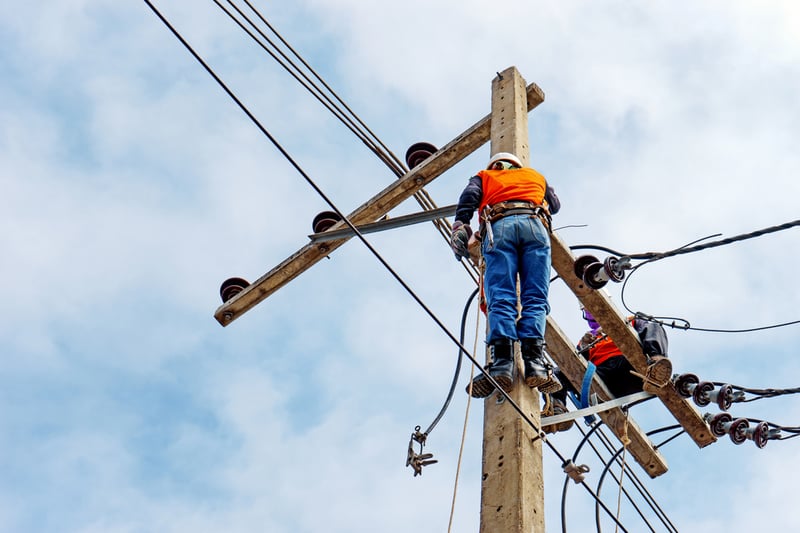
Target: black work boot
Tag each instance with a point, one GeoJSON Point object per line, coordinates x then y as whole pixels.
{"type": "Point", "coordinates": [537, 372]}
{"type": "Point", "coordinates": [502, 368]}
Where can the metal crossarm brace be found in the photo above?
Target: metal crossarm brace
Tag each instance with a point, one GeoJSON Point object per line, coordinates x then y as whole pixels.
{"type": "Point", "coordinates": [597, 408]}
{"type": "Point", "coordinates": [384, 224]}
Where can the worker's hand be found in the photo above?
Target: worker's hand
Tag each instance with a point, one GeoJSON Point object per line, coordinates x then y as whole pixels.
{"type": "Point", "coordinates": [459, 239]}
{"type": "Point", "coordinates": [587, 339]}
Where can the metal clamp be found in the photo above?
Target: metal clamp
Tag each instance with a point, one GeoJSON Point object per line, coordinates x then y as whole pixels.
{"type": "Point", "coordinates": [418, 460]}
{"type": "Point", "coordinates": [575, 472]}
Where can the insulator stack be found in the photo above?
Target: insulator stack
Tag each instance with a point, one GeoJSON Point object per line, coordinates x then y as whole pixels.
{"type": "Point", "coordinates": [596, 274]}
{"type": "Point", "coordinates": [704, 392]}
{"type": "Point", "coordinates": [739, 429]}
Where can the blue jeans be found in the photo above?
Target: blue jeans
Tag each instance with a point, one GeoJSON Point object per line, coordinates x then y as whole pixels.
{"type": "Point", "coordinates": [521, 246]}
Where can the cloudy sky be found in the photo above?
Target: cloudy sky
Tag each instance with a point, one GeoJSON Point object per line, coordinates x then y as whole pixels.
{"type": "Point", "coordinates": [131, 186]}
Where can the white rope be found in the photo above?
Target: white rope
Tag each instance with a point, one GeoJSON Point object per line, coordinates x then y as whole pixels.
{"type": "Point", "coordinates": [466, 414]}
{"type": "Point", "coordinates": [625, 442]}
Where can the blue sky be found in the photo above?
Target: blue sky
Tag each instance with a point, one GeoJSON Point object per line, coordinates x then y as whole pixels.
{"type": "Point", "coordinates": [132, 186]}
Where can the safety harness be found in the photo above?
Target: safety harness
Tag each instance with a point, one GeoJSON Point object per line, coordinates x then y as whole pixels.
{"type": "Point", "coordinates": [515, 207]}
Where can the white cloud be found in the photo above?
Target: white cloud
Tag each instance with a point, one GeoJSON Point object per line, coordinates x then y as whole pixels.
{"type": "Point", "coordinates": [132, 186]}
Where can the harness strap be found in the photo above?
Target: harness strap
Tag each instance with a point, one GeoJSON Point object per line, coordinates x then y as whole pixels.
{"type": "Point", "coordinates": [499, 210]}
{"type": "Point", "coordinates": [586, 385]}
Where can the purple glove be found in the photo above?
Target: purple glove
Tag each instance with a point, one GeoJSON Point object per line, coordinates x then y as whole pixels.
{"type": "Point", "coordinates": [459, 239]}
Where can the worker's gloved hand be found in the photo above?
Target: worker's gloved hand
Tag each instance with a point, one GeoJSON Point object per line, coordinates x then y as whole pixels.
{"type": "Point", "coordinates": [459, 239]}
{"type": "Point", "coordinates": [587, 339]}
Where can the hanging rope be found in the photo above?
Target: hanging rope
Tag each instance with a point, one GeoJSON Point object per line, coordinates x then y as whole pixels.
{"type": "Point", "coordinates": [625, 442]}
{"type": "Point", "coordinates": [466, 418]}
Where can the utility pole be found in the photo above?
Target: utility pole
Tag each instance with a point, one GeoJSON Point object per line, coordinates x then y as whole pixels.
{"type": "Point", "coordinates": [512, 486]}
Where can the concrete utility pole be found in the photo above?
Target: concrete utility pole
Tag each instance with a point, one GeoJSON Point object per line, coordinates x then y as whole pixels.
{"type": "Point", "coordinates": [512, 487]}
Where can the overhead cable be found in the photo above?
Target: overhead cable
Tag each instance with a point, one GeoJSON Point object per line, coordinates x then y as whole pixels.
{"type": "Point", "coordinates": [361, 237]}
{"type": "Point", "coordinates": [341, 111]}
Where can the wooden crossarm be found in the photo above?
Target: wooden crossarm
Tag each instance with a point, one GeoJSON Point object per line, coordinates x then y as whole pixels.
{"type": "Point", "coordinates": [380, 204]}
{"type": "Point", "coordinates": [626, 338]}
{"type": "Point", "coordinates": [574, 367]}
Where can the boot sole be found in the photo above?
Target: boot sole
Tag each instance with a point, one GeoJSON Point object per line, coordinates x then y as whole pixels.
{"type": "Point", "coordinates": [535, 381]}
{"type": "Point", "coordinates": [546, 384]}
{"type": "Point", "coordinates": [481, 387]}
{"type": "Point", "coordinates": [658, 374]}
{"type": "Point", "coordinates": [561, 426]}
{"type": "Point", "coordinates": [505, 381]}
{"type": "Point", "coordinates": [550, 386]}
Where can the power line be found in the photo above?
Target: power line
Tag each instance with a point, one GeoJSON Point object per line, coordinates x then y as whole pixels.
{"type": "Point", "coordinates": [688, 248]}
{"type": "Point", "coordinates": [349, 119]}
{"type": "Point", "coordinates": [360, 236]}
{"type": "Point", "coordinates": [759, 394]}
{"type": "Point", "coordinates": [616, 456]}
{"type": "Point", "coordinates": [649, 257]}
{"type": "Point", "coordinates": [682, 323]}
{"type": "Point", "coordinates": [356, 232]}
{"type": "Point", "coordinates": [643, 491]}
{"type": "Point", "coordinates": [459, 359]}
{"type": "Point", "coordinates": [646, 495]}
{"type": "Point", "coordinates": [341, 111]}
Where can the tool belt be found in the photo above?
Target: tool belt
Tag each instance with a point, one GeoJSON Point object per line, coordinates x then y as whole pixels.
{"type": "Point", "coordinates": [517, 207]}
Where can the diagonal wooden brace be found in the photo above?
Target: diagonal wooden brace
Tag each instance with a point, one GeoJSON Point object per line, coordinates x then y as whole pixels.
{"type": "Point", "coordinates": [573, 366]}
{"type": "Point", "coordinates": [626, 338]}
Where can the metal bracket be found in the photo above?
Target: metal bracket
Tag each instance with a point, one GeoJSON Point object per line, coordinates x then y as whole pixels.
{"type": "Point", "coordinates": [387, 223]}
{"type": "Point", "coordinates": [604, 406]}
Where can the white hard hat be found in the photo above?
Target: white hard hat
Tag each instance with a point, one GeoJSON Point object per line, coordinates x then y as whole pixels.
{"type": "Point", "coordinates": [504, 156]}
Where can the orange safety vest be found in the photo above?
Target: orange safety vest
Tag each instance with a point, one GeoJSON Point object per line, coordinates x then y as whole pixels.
{"type": "Point", "coordinates": [513, 184]}
{"type": "Point", "coordinates": [605, 349]}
